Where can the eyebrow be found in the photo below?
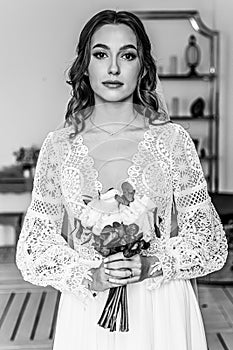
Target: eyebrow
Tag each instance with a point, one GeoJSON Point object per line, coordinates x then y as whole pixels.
{"type": "Point", "coordinates": [124, 47]}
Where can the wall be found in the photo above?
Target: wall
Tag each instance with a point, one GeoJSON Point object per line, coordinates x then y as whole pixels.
{"type": "Point", "coordinates": [38, 39]}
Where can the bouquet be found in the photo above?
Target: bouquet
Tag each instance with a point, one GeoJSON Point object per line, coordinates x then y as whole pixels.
{"type": "Point", "coordinates": [117, 223]}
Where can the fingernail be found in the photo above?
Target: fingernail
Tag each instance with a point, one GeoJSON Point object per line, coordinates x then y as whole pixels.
{"type": "Point", "coordinates": [111, 280]}
{"type": "Point", "coordinates": [105, 260]}
{"type": "Point", "coordinates": [105, 266]}
{"type": "Point", "coordinates": [107, 271]}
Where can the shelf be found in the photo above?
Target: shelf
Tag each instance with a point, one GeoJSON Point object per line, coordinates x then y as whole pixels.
{"type": "Point", "coordinates": [187, 117]}
{"type": "Point", "coordinates": [15, 185]}
{"type": "Point", "coordinates": [187, 76]}
{"type": "Point", "coordinates": [14, 180]}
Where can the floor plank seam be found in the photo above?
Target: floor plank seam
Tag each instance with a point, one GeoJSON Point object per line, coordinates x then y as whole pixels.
{"type": "Point", "coordinates": [226, 316]}
{"type": "Point", "coordinates": [228, 294]}
{"type": "Point", "coordinates": [20, 316]}
{"type": "Point", "coordinates": [225, 347]}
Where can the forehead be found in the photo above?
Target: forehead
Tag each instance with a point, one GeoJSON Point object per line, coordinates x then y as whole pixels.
{"type": "Point", "coordinates": [114, 34]}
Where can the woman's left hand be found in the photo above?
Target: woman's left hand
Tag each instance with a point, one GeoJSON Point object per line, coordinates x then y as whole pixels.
{"type": "Point", "coordinates": [123, 270]}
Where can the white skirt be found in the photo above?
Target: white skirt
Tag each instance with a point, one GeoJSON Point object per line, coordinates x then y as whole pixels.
{"type": "Point", "coordinates": [167, 318]}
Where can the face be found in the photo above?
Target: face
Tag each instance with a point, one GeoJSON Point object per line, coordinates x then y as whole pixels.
{"type": "Point", "coordinates": [114, 57]}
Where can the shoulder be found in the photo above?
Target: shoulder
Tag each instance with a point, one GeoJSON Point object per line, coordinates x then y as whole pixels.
{"type": "Point", "coordinates": [61, 135]}
{"type": "Point", "coordinates": [168, 126]}
{"type": "Point", "coordinates": [56, 140]}
{"type": "Point", "coordinates": [58, 137]}
{"type": "Point", "coordinates": [172, 129]}
{"type": "Point", "coordinates": [170, 136]}
{"type": "Point", "coordinates": [169, 130]}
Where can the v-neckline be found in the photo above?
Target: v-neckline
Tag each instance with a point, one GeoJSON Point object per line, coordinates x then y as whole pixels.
{"type": "Point", "coordinates": [98, 184]}
{"type": "Point", "coordinates": [92, 186]}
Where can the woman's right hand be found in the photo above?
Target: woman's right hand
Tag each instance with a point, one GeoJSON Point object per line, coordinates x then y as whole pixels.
{"type": "Point", "coordinates": [100, 280]}
{"type": "Point", "coordinates": [115, 273]}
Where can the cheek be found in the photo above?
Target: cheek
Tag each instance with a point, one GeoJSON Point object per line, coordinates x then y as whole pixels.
{"type": "Point", "coordinates": [133, 74]}
{"type": "Point", "coordinates": [94, 70]}
{"type": "Point", "coordinates": [94, 75]}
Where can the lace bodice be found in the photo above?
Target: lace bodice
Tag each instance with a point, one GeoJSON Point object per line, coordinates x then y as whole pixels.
{"type": "Point", "coordinates": [163, 164]}
{"type": "Point", "coordinates": [113, 154]}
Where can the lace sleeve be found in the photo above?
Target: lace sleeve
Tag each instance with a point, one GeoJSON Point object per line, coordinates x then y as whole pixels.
{"type": "Point", "coordinates": [200, 247]}
{"type": "Point", "coordinates": [43, 255]}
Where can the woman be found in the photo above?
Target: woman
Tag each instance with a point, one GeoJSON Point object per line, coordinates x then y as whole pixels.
{"type": "Point", "coordinates": [118, 130]}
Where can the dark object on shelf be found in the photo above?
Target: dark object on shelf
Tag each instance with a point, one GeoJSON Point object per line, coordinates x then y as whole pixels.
{"type": "Point", "coordinates": [173, 64]}
{"type": "Point", "coordinates": [175, 105]}
{"type": "Point", "coordinates": [192, 55]}
{"type": "Point", "coordinates": [197, 108]}
{"type": "Point", "coordinates": [202, 153]}
{"type": "Point", "coordinates": [196, 143]}
{"type": "Point", "coordinates": [27, 157]}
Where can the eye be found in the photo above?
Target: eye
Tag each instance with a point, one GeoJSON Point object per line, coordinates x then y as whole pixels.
{"type": "Point", "coordinates": [99, 54]}
{"type": "Point", "coordinates": [129, 56]}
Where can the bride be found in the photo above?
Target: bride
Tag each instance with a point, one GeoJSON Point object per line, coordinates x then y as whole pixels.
{"type": "Point", "coordinates": [117, 130]}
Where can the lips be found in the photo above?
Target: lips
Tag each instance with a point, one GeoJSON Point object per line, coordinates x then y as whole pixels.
{"type": "Point", "coordinates": [113, 82]}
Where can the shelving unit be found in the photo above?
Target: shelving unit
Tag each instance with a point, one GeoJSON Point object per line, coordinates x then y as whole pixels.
{"type": "Point", "coordinates": [210, 77]}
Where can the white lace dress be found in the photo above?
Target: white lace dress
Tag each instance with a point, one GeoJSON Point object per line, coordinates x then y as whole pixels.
{"type": "Point", "coordinates": [160, 162]}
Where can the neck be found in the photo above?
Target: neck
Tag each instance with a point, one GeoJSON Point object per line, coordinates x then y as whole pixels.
{"type": "Point", "coordinates": [119, 112]}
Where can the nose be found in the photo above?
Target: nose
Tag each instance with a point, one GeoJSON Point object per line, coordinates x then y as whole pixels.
{"type": "Point", "coordinates": [114, 66]}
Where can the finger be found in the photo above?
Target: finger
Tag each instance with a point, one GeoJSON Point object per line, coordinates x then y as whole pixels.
{"type": "Point", "coordinates": [114, 257]}
{"type": "Point", "coordinates": [120, 256]}
{"type": "Point", "coordinates": [122, 264]}
{"type": "Point", "coordinates": [126, 273]}
{"type": "Point", "coordinates": [123, 274]}
{"type": "Point", "coordinates": [110, 284]}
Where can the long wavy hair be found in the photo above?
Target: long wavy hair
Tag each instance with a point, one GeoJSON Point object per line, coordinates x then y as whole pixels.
{"type": "Point", "coordinates": [81, 103]}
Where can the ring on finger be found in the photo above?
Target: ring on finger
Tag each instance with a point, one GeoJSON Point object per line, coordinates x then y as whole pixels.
{"type": "Point", "coordinates": [131, 273]}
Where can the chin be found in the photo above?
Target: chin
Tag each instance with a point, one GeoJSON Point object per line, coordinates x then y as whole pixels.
{"type": "Point", "coordinates": [119, 99]}
{"type": "Point", "coordinates": [114, 97]}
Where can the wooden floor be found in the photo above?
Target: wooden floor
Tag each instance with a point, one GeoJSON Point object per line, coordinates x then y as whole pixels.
{"type": "Point", "coordinates": [28, 313]}
{"type": "Point", "coordinates": [216, 304]}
